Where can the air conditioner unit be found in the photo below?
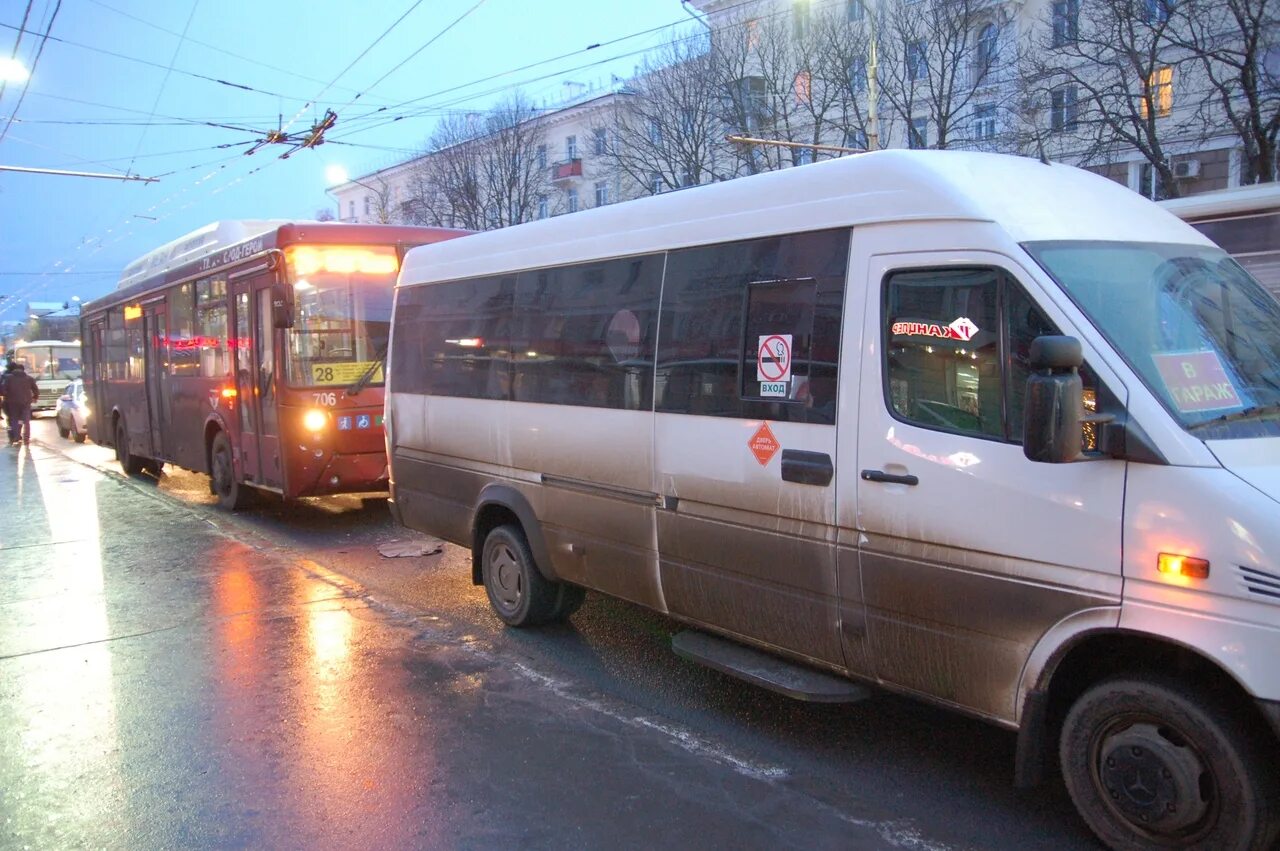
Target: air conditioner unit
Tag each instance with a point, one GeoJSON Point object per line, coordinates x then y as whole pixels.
{"type": "Point", "coordinates": [1186, 169]}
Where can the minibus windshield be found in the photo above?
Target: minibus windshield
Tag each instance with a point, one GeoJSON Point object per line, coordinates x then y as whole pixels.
{"type": "Point", "coordinates": [1202, 334]}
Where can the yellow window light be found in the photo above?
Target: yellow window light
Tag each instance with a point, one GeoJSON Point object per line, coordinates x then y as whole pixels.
{"type": "Point", "coordinates": [1182, 566]}
{"type": "Point", "coordinates": [132, 311]}
{"type": "Point", "coordinates": [305, 260]}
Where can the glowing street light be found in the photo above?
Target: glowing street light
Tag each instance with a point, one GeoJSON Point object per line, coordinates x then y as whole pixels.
{"type": "Point", "coordinates": [13, 71]}
{"type": "Point", "coordinates": [335, 174]}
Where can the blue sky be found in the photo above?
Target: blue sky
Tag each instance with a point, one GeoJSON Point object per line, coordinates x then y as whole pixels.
{"type": "Point", "coordinates": [87, 110]}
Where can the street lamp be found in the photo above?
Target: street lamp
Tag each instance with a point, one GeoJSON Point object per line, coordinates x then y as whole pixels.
{"type": "Point", "coordinates": [13, 71]}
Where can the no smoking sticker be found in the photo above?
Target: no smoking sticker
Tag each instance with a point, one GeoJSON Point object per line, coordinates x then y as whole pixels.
{"type": "Point", "coordinates": [773, 360]}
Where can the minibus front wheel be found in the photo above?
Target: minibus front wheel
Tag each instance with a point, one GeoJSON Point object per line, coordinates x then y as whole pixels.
{"type": "Point", "coordinates": [518, 592]}
{"type": "Point", "coordinates": [1150, 764]}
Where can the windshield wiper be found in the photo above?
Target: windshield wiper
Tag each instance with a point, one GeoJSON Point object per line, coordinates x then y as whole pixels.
{"type": "Point", "coordinates": [1246, 414]}
{"type": "Point", "coordinates": [363, 381]}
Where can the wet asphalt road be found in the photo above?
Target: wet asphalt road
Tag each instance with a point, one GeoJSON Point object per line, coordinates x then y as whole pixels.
{"type": "Point", "coordinates": [174, 676]}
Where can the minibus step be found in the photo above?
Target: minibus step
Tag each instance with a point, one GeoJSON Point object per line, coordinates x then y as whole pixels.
{"type": "Point", "coordinates": [765, 670]}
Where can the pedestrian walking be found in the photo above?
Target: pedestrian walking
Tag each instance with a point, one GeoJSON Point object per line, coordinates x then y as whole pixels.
{"type": "Point", "coordinates": [9, 365]}
{"type": "Point", "coordinates": [20, 393]}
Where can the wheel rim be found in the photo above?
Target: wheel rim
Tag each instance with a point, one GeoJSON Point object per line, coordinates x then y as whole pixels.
{"type": "Point", "coordinates": [1154, 778]}
{"type": "Point", "coordinates": [507, 580]}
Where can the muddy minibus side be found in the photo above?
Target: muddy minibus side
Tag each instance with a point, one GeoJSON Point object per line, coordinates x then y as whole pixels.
{"type": "Point", "coordinates": [879, 422]}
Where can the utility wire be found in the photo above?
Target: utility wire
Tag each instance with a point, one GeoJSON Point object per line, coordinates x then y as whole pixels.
{"type": "Point", "coordinates": [18, 41]}
{"type": "Point", "coordinates": [239, 128]}
{"type": "Point", "coordinates": [343, 72]}
{"type": "Point", "coordinates": [215, 47]}
{"type": "Point", "coordinates": [165, 81]}
{"type": "Point", "coordinates": [169, 69]}
{"type": "Point", "coordinates": [32, 71]}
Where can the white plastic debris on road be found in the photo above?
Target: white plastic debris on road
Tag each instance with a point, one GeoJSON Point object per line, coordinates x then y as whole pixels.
{"type": "Point", "coordinates": [411, 549]}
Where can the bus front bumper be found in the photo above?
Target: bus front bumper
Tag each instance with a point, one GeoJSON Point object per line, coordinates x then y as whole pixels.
{"type": "Point", "coordinates": [363, 472]}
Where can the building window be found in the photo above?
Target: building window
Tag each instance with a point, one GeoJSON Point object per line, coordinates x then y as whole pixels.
{"type": "Point", "coordinates": [800, 17]}
{"type": "Point", "coordinates": [351, 209]}
{"type": "Point", "coordinates": [917, 59]}
{"type": "Point", "coordinates": [987, 46]}
{"type": "Point", "coordinates": [1066, 22]}
{"type": "Point", "coordinates": [855, 139]}
{"type": "Point", "coordinates": [655, 183]}
{"type": "Point", "coordinates": [753, 95]}
{"type": "Point", "coordinates": [571, 147]}
{"type": "Point", "coordinates": [542, 207]}
{"type": "Point", "coordinates": [1150, 184]}
{"type": "Point", "coordinates": [1062, 109]}
{"type": "Point", "coordinates": [801, 156]}
{"type": "Point", "coordinates": [918, 134]}
{"type": "Point", "coordinates": [655, 133]}
{"type": "Point", "coordinates": [803, 86]}
{"type": "Point", "coordinates": [858, 75]}
{"type": "Point", "coordinates": [542, 156]}
{"type": "Point", "coordinates": [984, 122]}
{"type": "Point", "coordinates": [600, 141]}
{"type": "Point", "coordinates": [1156, 11]}
{"type": "Point", "coordinates": [854, 10]}
{"type": "Point", "coordinates": [753, 34]}
{"type": "Point", "coordinates": [1159, 92]}
{"type": "Point", "coordinates": [602, 193]}
{"type": "Point", "coordinates": [573, 200]}
{"type": "Point", "coordinates": [368, 204]}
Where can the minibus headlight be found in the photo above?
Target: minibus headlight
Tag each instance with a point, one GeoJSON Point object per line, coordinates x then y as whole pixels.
{"type": "Point", "coordinates": [315, 420]}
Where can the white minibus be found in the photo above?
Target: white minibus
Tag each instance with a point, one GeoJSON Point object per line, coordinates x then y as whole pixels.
{"type": "Point", "coordinates": [999, 434]}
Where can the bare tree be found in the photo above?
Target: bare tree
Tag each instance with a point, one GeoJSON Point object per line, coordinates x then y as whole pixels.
{"type": "Point", "coordinates": [1235, 50]}
{"type": "Point", "coordinates": [844, 62]}
{"type": "Point", "coordinates": [938, 60]}
{"type": "Point", "coordinates": [1099, 80]}
{"type": "Point", "coordinates": [481, 171]}
{"type": "Point", "coordinates": [666, 130]}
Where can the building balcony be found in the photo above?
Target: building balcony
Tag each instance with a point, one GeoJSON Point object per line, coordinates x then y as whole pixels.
{"type": "Point", "coordinates": [566, 169]}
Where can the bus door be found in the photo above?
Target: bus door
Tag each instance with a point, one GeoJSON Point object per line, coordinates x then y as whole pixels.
{"type": "Point", "coordinates": [156, 331]}
{"type": "Point", "coordinates": [98, 377]}
{"type": "Point", "coordinates": [259, 443]}
{"type": "Point", "coordinates": [266, 395]}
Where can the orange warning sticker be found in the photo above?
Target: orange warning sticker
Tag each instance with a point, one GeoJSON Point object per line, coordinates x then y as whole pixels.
{"type": "Point", "coordinates": [763, 444]}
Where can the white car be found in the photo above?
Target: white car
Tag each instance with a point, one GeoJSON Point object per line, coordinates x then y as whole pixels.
{"type": "Point", "coordinates": [73, 412]}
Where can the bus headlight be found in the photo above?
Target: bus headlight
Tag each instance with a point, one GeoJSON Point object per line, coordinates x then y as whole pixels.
{"type": "Point", "coordinates": [315, 420]}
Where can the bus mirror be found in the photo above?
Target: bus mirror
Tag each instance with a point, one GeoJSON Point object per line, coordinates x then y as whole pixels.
{"type": "Point", "coordinates": [282, 305]}
{"type": "Point", "coordinates": [1053, 415]}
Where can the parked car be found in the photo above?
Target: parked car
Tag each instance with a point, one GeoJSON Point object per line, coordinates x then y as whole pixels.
{"type": "Point", "coordinates": [73, 412]}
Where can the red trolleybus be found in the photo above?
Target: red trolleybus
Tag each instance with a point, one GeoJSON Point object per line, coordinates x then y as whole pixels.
{"type": "Point", "coordinates": [252, 351]}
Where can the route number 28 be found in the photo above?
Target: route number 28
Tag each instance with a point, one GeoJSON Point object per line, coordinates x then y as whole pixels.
{"type": "Point", "coordinates": [329, 399]}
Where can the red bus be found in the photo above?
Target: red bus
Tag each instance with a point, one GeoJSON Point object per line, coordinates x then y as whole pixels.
{"type": "Point", "coordinates": [252, 351]}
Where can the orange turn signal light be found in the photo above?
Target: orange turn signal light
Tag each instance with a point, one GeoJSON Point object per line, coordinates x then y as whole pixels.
{"type": "Point", "coordinates": [228, 392]}
{"type": "Point", "coordinates": [1185, 566]}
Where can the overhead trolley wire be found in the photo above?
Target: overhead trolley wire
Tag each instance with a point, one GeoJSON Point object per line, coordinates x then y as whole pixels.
{"type": "Point", "coordinates": [17, 42]}
{"type": "Point", "coordinates": [32, 71]}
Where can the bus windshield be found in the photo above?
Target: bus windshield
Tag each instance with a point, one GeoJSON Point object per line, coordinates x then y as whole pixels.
{"type": "Point", "coordinates": [47, 363]}
{"type": "Point", "coordinates": [1201, 333]}
{"type": "Point", "coordinates": [341, 323]}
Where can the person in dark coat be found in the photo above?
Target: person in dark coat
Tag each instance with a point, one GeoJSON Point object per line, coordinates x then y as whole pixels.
{"type": "Point", "coordinates": [20, 393]}
{"type": "Point", "coordinates": [9, 365]}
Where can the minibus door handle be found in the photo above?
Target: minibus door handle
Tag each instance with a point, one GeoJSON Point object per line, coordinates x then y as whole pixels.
{"type": "Point", "coordinates": [807, 468]}
{"type": "Point", "coordinates": [891, 478]}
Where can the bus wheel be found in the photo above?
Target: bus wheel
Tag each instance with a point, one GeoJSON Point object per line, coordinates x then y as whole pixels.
{"type": "Point", "coordinates": [1150, 765]}
{"type": "Point", "coordinates": [518, 593]}
{"type": "Point", "coordinates": [77, 435]}
{"type": "Point", "coordinates": [64, 432]}
{"type": "Point", "coordinates": [130, 463]}
{"type": "Point", "coordinates": [222, 476]}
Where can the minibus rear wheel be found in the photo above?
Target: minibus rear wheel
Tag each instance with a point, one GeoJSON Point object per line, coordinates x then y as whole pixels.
{"type": "Point", "coordinates": [518, 592]}
{"type": "Point", "coordinates": [1151, 764]}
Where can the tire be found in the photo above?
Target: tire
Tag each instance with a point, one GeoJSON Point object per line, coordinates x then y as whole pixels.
{"type": "Point", "coordinates": [77, 435]}
{"type": "Point", "coordinates": [232, 495]}
{"type": "Point", "coordinates": [130, 463]}
{"type": "Point", "coordinates": [64, 433]}
{"type": "Point", "coordinates": [518, 592]}
{"type": "Point", "coordinates": [1150, 764]}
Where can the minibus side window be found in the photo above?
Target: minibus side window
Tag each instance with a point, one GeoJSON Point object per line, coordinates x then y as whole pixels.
{"type": "Point", "coordinates": [454, 339]}
{"type": "Point", "coordinates": [957, 351]}
{"type": "Point", "coordinates": [719, 300]}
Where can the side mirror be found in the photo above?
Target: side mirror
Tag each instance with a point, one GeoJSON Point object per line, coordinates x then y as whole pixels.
{"type": "Point", "coordinates": [1053, 415]}
{"type": "Point", "coordinates": [282, 305]}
